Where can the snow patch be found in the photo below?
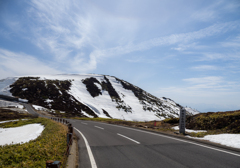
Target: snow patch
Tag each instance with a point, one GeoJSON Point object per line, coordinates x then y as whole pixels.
{"type": "Point", "coordinates": [10, 121]}
{"type": "Point", "coordinates": [193, 111]}
{"type": "Point", "coordinates": [232, 140]}
{"type": "Point", "coordinates": [189, 130]}
{"type": "Point", "coordinates": [4, 103]}
{"type": "Point", "coordinates": [21, 134]}
{"type": "Point", "coordinates": [5, 85]}
{"type": "Point", "coordinates": [40, 108]}
{"type": "Point", "coordinates": [48, 100]}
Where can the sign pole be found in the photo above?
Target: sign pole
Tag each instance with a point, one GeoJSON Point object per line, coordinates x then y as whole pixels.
{"type": "Point", "coordinates": [182, 120]}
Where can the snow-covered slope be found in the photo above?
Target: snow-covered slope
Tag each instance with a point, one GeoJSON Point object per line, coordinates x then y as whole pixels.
{"type": "Point", "coordinates": [91, 95]}
{"type": "Point", "coordinates": [192, 111]}
{"type": "Point", "coordinates": [4, 85]}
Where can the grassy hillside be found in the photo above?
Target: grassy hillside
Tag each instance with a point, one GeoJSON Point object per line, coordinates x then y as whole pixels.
{"type": "Point", "coordinates": [228, 122]}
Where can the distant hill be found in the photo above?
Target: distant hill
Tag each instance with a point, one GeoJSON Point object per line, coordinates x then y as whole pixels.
{"type": "Point", "coordinates": [228, 122]}
{"type": "Point", "coordinates": [91, 95]}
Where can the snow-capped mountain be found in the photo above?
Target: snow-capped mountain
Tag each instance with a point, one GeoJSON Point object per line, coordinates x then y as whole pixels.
{"type": "Point", "coordinates": [91, 95]}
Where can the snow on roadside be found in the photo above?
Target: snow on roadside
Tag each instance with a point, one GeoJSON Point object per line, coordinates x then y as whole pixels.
{"type": "Point", "coordinates": [232, 140]}
{"type": "Point", "coordinates": [10, 121]}
{"type": "Point", "coordinates": [39, 108]}
{"type": "Point", "coordinates": [188, 130]}
{"type": "Point", "coordinates": [21, 134]}
{"type": "Point", "coordinates": [4, 103]}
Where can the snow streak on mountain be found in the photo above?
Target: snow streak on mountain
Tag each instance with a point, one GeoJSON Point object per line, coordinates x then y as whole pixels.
{"type": "Point", "coordinates": [90, 95]}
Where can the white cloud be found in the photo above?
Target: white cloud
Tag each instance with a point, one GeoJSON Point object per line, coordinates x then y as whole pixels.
{"type": "Point", "coordinates": [207, 13]}
{"type": "Point", "coordinates": [215, 10]}
{"type": "Point", "coordinates": [172, 39]}
{"type": "Point", "coordinates": [81, 34]}
{"type": "Point", "coordinates": [191, 46]}
{"type": "Point", "coordinates": [207, 56]}
{"type": "Point", "coordinates": [209, 86]}
{"type": "Point", "coordinates": [151, 60]}
{"type": "Point", "coordinates": [210, 92]}
{"type": "Point", "coordinates": [232, 43]}
{"type": "Point", "coordinates": [13, 63]}
{"type": "Point", "coordinates": [90, 29]}
{"type": "Point", "coordinates": [209, 80]}
{"type": "Point", "coordinates": [206, 68]}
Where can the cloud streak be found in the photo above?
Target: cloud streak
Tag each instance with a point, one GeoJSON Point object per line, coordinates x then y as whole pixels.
{"type": "Point", "coordinates": [13, 64]}
{"type": "Point", "coordinates": [170, 40]}
{"type": "Point", "coordinates": [71, 33]}
{"type": "Point", "coordinates": [205, 68]}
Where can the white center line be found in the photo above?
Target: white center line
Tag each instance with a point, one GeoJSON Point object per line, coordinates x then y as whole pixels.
{"type": "Point", "coordinates": [84, 123]}
{"type": "Point", "coordinates": [98, 127]}
{"type": "Point", "coordinates": [129, 138]}
{"type": "Point", "coordinates": [92, 160]}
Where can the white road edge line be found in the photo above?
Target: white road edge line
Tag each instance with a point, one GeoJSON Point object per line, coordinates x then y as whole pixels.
{"type": "Point", "coordinates": [175, 139]}
{"type": "Point", "coordinates": [84, 123]}
{"type": "Point", "coordinates": [98, 127]}
{"type": "Point", "coordinates": [128, 138]}
{"type": "Point", "coordinates": [92, 160]}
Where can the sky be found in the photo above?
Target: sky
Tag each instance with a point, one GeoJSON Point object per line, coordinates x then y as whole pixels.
{"type": "Point", "coordinates": [188, 51]}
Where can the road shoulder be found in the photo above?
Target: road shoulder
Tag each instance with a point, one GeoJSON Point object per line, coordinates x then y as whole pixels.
{"type": "Point", "coordinates": [72, 161]}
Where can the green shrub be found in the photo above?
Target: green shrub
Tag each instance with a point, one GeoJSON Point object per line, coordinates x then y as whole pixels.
{"type": "Point", "coordinates": [171, 120]}
{"type": "Point", "coordinates": [226, 121]}
{"type": "Point", "coordinates": [198, 134]}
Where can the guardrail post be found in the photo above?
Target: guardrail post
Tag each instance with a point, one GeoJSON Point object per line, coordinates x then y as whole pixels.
{"type": "Point", "coordinates": [69, 138]}
{"type": "Point", "coordinates": [70, 128]}
{"type": "Point", "coordinates": [53, 164]}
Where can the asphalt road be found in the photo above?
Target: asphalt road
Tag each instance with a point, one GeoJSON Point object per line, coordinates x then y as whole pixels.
{"type": "Point", "coordinates": [111, 146]}
{"type": "Point", "coordinates": [30, 109]}
{"type": "Point", "coordinates": [115, 146]}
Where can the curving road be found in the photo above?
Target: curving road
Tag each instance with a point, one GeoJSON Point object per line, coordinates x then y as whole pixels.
{"type": "Point", "coordinates": [115, 146]}
{"type": "Point", "coordinates": [30, 109]}
{"type": "Point", "coordinates": [104, 145]}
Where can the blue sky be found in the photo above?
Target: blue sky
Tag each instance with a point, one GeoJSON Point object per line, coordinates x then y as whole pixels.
{"type": "Point", "coordinates": [185, 50]}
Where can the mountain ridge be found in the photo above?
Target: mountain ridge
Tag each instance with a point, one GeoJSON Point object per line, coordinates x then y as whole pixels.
{"type": "Point", "coordinates": [91, 95]}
